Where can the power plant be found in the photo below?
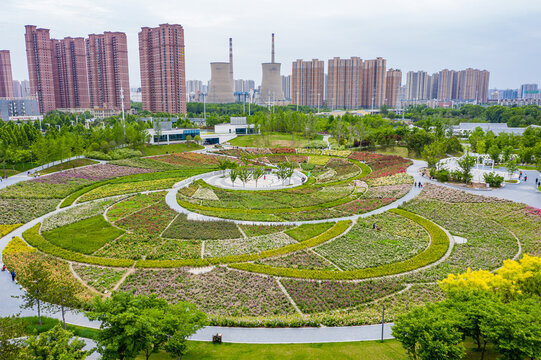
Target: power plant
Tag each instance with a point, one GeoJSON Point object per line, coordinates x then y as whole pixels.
{"type": "Point", "coordinates": [221, 85]}
{"type": "Point", "coordinates": [271, 84]}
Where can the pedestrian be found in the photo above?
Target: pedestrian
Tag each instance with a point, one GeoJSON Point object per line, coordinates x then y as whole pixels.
{"type": "Point", "coordinates": [525, 178]}
{"type": "Point", "coordinates": [4, 267]}
{"type": "Point", "coordinates": [13, 275]}
{"type": "Point", "coordinates": [420, 185]}
{"type": "Point", "coordinates": [415, 184]}
{"type": "Point", "coordinates": [373, 226]}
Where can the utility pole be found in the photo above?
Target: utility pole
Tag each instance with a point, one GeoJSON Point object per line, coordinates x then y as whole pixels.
{"type": "Point", "coordinates": [122, 101]}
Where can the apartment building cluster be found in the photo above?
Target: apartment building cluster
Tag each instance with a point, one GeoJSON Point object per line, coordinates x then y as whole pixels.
{"type": "Point", "coordinates": [470, 85]}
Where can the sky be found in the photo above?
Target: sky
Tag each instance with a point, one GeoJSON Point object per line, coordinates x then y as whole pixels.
{"type": "Point", "coordinates": [501, 36]}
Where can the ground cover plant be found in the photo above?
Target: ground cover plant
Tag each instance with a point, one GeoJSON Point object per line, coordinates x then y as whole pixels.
{"type": "Point", "coordinates": [90, 173]}
{"type": "Point", "coordinates": [189, 160]}
{"type": "Point", "coordinates": [75, 214]}
{"type": "Point", "coordinates": [100, 278]}
{"type": "Point", "coordinates": [319, 296]}
{"type": "Point", "coordinates": [68, 165]}
{"type": "Point", "coordinates": [84, 236]}
{"type": "Point", "coordinates": [152, 150]}
{"type": "Point", "coordinates": [127, 188]}
{"type": "Point", "coordinates": [152, 220]}
{"type": "Point", "coordinates": [182, 228]}
{"type": "Point", "coordinates": [376, 240]}
{"type": "Point", "coordinates": [256, 230]}
{"type": "Point", "coordinates": [215, 248]}
{"type": "Point", "coordinates": [220, 291]}
{"type": "Point", "coordinates": [21, 211]}
{"type": "Point", "coordinates": [305, 259]}
{"type": "Point", "coordinates": [145, 163]}
{"type": "Point", "coordinates": [151, 247]}
{"type": "Point", "coordinates": [6, 229]}
{"type": "Point", "coordinates": [34, 190]}
{"type": "Point", "coordinates": [132, 204]}
{"type": "Point", "coordinates": [308, 231]}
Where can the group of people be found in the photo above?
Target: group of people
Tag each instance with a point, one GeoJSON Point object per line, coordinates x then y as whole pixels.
{"type": "Point", "coordinates": [418, 184]}
{"type": "Point", "coordinates": [12, 272]}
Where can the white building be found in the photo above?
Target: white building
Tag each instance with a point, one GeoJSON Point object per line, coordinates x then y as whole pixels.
{"type": "Point", "coordinates": [237, 125]}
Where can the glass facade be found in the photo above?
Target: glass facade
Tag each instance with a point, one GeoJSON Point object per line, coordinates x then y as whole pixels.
{"type": "Point", "coordinates": [178, 136]}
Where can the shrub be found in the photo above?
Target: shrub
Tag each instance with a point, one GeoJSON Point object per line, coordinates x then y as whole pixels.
{"type": "Point", "coordinates": [493, 179]}
{"type": "Point", "coordinates": [308, 166]}
{"type": "Point", "coordinates": [17, 246]}
{"type": "Point", "coordinates": [316, 144]}
{"type": "Point", "coordinates": [442, 175]}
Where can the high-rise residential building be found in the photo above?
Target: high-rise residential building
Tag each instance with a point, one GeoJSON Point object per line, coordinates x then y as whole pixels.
{"type": "Point", "coordinates": [108, 76]}
{"type": "Point", "coordinates": [344, 83]}
{"type": "Point", "coordinates": [6, 79]}
{"type": "Point", "coordinates": [374, 76]}
{"type": "Point", "coordinates": [509, 94]}
{"type": "Point", "coordinates": [163, 74]}
{"type": "Point", "coordinates": [418, 86]}
{"type": "Point", "coordinates": [40, 67]}
{"type": "Point", "coordinates": [17, 89]}
{"type": "Point", "coordinates": [307, 82]}
{"type": "Point", "coordinates": [244, 85]}
{"type": "Point", "coordinates": [25, 88]}
{"type": "Point", "coordinates": [467, 85]}
{"type": "Point", "coordinates": [70, 73]}
{"type": "Point", "coordinates": [194, 86]}
{"type": "Point", "coordinates": [392, 91]}
{"type": "Point", "coordinates": [286, 86]}
{"type": "Point", "coordinates": [528, 91]}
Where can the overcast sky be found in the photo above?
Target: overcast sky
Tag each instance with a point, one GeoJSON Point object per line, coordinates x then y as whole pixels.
{"type": "Point", "coordinates": [501, 36]}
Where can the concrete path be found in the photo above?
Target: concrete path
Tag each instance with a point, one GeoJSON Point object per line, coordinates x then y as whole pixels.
{"type": "Point", "coordinates": [326, 139]}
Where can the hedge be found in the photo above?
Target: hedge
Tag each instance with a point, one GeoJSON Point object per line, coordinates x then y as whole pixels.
{"type": "Point", "coordinates": [34, 238]}
{"type": "Point", "coordinates": [334, 231]}
{"type": "Point", "coordinates": [17, 246]}
{"type": "Point", "coordinates": [438, 247]}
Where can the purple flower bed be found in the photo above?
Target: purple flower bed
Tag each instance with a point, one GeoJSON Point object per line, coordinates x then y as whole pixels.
{"type": "Point", "coordinates": [90, 173]}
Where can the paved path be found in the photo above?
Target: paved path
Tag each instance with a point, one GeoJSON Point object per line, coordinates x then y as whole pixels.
{"type": "Point", "coordinates": [266, 182]}
{"type": "Point", "coordinates": [326, 139]}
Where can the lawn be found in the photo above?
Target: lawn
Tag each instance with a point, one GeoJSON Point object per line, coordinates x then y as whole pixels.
{"type": "Point", "coordinates": [272, 140]}
{"type": "Point", "coordinates": [85, 236]}
{"type": "Point", "coordinates": [152, 150]}
{"type": "Point", "coordinates": [68, 165]}
{"type": "Point", "coordinates": [308, 231]}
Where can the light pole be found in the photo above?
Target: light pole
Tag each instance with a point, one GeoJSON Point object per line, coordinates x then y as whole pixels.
{"type": "Point", "coordinates": [318, 103]}
{"type": "Point", "coordinates": [122, 101]}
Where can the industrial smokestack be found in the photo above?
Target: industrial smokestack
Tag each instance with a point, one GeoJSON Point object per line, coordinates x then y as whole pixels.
{"type": "Point", "coordinates": [272, 53]}
{"type": "Point", "coordinates": [231, 57]}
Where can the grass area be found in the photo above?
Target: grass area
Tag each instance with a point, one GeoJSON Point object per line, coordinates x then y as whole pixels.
{"type": "Point", "coordinates": [152, 150]}
{"type": "Point", "coordinates": [9, 170]}
{"type": "Point", "coordinates": [272, 140]}
{"type": "Point", "coordinates": [85, 236]}
{"type": "Point", "coordinates": [308, 231]}
{"type": "Point", "coordinates": [529, 167]}
{"type": "Point", "coordinates": [68, 165]}
{"type": "Point", "coordinates": [398, 150]}
{"type": "Point", "coordinates": [32, 325]}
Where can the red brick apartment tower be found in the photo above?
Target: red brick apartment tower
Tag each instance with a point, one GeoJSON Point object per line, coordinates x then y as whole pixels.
{"type": "Point", "coordinates": [107, 62]}
{"type": "Point", "coordinates": [163, 82]}
{"type": "Point", "coordinates": [40, 67]}
{"type": "Point", "coordinates": [308, 83]}
{"type": "Point", "coordinates": [374, 83]}
{"type": "Point", "coordinates": [70, 78]}
{"type": "Point", "coordinates": [6, 79]}
{"type": "Point", "coordinates": [344, 83]}
{"type": "Point", "coordinates": [392, 91]}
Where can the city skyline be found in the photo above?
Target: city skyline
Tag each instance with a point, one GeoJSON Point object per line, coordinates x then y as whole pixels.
{"type": "Point", "coordinates": [410, 36]}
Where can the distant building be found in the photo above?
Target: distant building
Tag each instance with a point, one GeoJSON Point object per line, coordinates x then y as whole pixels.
{"type": "Point", "coordinates": [392, 88]}
{"type": "Point", "coordinates": [11, 108]}
{"type": "Point", "coordinates": [528, 91]}
{"type": "Point", "coordinates": [286, 86]}
{"type": "Point", "coordinates": [108, 73]}
{"type": "Point", "coordinates": [135, 95]}
{"type": "Point", "coordinates": [244, 85]}
{"type": "Point", "coordinates": [496, 128]}
{"type": "Point", "coordinates": [6, 79]}
{"type": "Point", "coordinates": [163, 80]}
{"type": "Point", "coordinates": [237, 125]}
{"type": "Point", "coordinates": [470, 85]}
{"type": "Point", "coordinates": [307, 83]}
{"type": "Point", "coordinates": [508, 94]}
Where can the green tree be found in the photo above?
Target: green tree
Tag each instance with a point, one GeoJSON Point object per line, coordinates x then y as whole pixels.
{"type": "Point", "coordinates": [233, 175]}
{"type": "Point", "coordinates": [244, 175]}
{"type": "Point", "coordinates": [257, 173]}
{"type": "Point", "coordinates": [37, 283]}
{"type": "Point", "coordinates": [512, 167]}
{"type": "Point", "coordinates": [11, 329]}
{"type": "Point", "coordinates": [55, 344]}
{"type": "Point", "coordinates": [433, 153]}
{"type": "Point", "coordinates": [181, 321]}
{"type": "Point", "coordinates": [494, 153]}
{"type": "Point", "coordinates": [466, 164]}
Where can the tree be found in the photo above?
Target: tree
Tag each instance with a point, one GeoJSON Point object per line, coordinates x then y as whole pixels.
{"type": "Point", "coordinates": [129, 325]}
{"type": "Point", "coordinates": [11, 329]}
{"type": "Point", "coordinates": [181, 321]}
{"type": "Point", "coordinates": [62, 294]}
{"type": "Point", "coordinates": [198, 140]}
{"type": "Point", "coordinates": [493, 179]}
{"type": "Point", "coordinates": [257, 173]}
{"type": "Point", "coordinates": [189, 138]}
{"type": "Point", "coordinates": [55, 344]}
{"type": "Point", "coordinates": [433, 153]}
{"type": "Point", "coordinates": [158, 128]}
{"type": "Point", "coordinates": [466, 163]}
{"type": "Point", "coordinates": [512, 167]}
{"type": "Point", "coordinates": [285, 171]}
{"type": "Point", "coordinates": [37, 283]}
{"type": "Point", "coordinates": [494, 153]}
{"type": "Point", "coordinates": [233, 175]}
{"type": "Point", "coordinates": [244, 175]}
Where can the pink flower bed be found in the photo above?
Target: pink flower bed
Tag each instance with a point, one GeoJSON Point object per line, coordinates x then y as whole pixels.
{"type": "Point", "coordinates": [90, 173]}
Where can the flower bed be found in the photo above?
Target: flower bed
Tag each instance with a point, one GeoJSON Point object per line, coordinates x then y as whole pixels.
{"type": "Point", "coordinates": [283, 150]}
{"type": "Point", "coordinates": [220, 291]}
{"type": "Point", "coordinates": [145, 163]}
{"type": "Point", "coordinates": [397, 239]}
{"type": "Point", "coordinates": [309, 151]}
{"type": "Point", "coordinates": [256, 230]}
{"type": "Point", "coordinates": [131, 246]}
{"type": "Point", "coordinates": [101, 279]}
{"type": "Point", "coordinates": [152, 220]}
{"type": "Point", "coordinates": [90, 173]}
{"type": "Point", "coordinates": [276, 159]}
{"type": "Point", "coordinates": [21, 211]}
{"type": "Point", "coordinates": [315, 296]}
{"type": "Point", "coordinates": [319, 159]}
{"type": "Point", "coordinates": [6, 229]}
{"type": "Point", "coordinates": [68, 165]}
{"type": "Point", "coordinates": [34, 190]}
{"type": "Point", "coordinates": [75, 214]}
{"type": "Point", "coordinates": [133, 204]}
{"type": "Point", "coordinates": [216, 248]}
{"type": "Point", "coordinates": [182, 228]}
{"type": "Point", "coordinates": [447, 195]}
{"type": "Point", "coordinates": [304, 259]}
{"type": "Point", "coordinates": [308, 231]}
{"type": "Point", "coordinates": [396, 179]}
{"type": "Point", "coordinates": [339, 153]}
{"type": "Point", "coordinates": [17, 246]}
{"type": "Point", "coordinates": [190, 159]}
{"type": "Point", "coordinates": [127, 188]}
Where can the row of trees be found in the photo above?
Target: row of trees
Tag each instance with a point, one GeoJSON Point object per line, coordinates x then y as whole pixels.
{"type": "Point", "coordinates": [501, 308]}
{"type": "Point", "coordinates": [284, 172]}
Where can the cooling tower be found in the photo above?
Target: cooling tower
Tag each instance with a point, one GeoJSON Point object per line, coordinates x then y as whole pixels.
{"type": "Point", "coordinates": [221, 80]}
{"type": "Point", "coordinates": [271, 83]}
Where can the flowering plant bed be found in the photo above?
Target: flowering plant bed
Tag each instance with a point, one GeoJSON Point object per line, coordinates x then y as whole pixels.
{"type": "Point", "coordinates": [152, 220]}
{"type": "Point", "coordinates": [68, 165]}
{"type": "Point", "coordinates": [182, 228]}
{"type": "Point", "coordinates": [308, 231]}
{"type": "Point", "coordinates": [304, 259]}
{"type": "Point", "coordinates": [75, 214]}
{"type": "Point", "coordinates": [20, 211]}
{"type": "Point", "coordinates": [256, 230]}
{"type": "Point", "coordinates": [133, 204]}
{"type": "Point", "coordinates": [127, 188]}
{"type": "Point", "coordinates": [100, 278]}
{"type": "Point", "coordinates": [189, 160]}
{"type": "Point", "coordinates": [145, 163]}
{"type": "Point", "coordinates": [220, 291]}
{"type": "Point", "coordinates": [90, 173]}
{"type": "Point", "coordinates": [6, 229]}
{"type": "Point", "coordinates": [34, 190]}
{"type": "Point", "coordinates": [216, 248]}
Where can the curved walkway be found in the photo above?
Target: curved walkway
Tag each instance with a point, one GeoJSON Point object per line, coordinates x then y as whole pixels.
{"type": "Point", "coordinates": [171, 200]}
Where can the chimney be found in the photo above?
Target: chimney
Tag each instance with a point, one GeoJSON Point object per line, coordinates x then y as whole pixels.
{"type": "Point", "coordinates": [231, 57]}
{"type": "Point", "coordinates": [272, 53]}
